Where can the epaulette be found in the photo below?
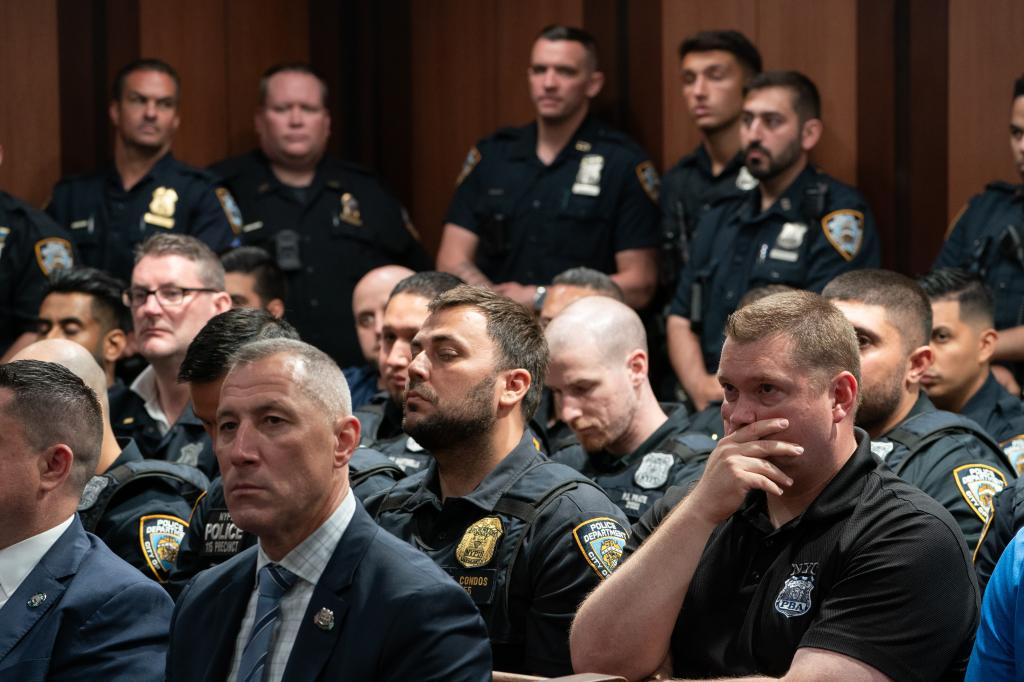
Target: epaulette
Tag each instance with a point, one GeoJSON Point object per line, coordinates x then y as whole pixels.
{"type": "Point", "coordinates": [1001, 186]}
{"type": "Point", "coordinates": [200, 173]}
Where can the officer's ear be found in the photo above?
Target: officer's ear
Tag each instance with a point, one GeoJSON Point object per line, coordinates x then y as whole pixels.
{"type": "Point", "coordinates": [346, 439]}
{"type": "Point", "coordinates": [918, 363]}
{"type": "Point", "coordinates": [55, 464]}
{"type": "Point", "coordinates": [987, 345]}
{"type": "Point", "coordinates": [512, 387]}
{"type": "Point", "coordinates": [594, 84]}
{"type": "Point", "coordinates": [113, 344]}
{"type": "Point", "coordinates": [637, 364]}
{"type": "Point", "coordinates": [114, 111]}
{"type": "Point", "coordinates": [843, 390]}
{"type": "Point", "coordinates": [276, 307]}
{"type": "Point", "coordinates": [810, 133]}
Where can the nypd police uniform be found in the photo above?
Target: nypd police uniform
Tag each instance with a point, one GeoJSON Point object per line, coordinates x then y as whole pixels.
{"type": "Point", "coordinates": [688, 190]}
{"type": "Point", "coordinates": [598, 197]}
{"type": "Point", "coordinates": [527, 544]}
{"type": "Point", "coordinates": [816, 230]}
{"type": "Point", "coordinates": [186, 442]}
{"type": "Point", "coordinates": [987, 238]}
{"type": "Point", "coordinates": [31, 247]}
{"type": "Point", "coordinates": [325, 237]}
{"type": "Point", "coordinates": [1002, 416]}
{"type": "Point", "coordinates": [381, 422]}
{"type": "Point", "coordinates": [212, 536]}
{"type": "Point", "coordinates": [142, 513]}
{"type": "Point", "coordinates": [951, 458]}
{"type": "Point", "coordinates": [871, 558]}
{"type": "Point", "coordinates": [106, 221]}
{"type": "Point", "coordinates": [671, 456]}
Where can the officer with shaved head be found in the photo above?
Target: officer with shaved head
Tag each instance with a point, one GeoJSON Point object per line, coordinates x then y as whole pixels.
{"type": "Point", "coordinates": [632, 446]}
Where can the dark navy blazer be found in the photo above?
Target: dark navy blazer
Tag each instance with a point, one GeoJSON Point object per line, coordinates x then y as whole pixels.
{"type": "Point", "coordinates": [396, 616]}
{"type": "Point", "coordinates": [84, 614]}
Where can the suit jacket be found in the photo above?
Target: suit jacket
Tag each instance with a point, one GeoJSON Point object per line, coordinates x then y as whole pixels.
{"type": "Point", "coordinates": [84, 614]}
{"type": "Point", "coordinates": [397, 616]}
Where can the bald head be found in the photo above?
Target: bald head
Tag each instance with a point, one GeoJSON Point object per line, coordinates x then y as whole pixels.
{"type": "Point", "coordinates": [612, 328]}
{"type": "Point", "coordinates": [368, 301]}
{"type": "Point", "coordinates": [75, 358]}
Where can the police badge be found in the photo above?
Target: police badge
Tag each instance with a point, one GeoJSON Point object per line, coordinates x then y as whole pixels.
{"type": "Point", "coordinates": [653, 470]}
{"type": "Point", "coordinates": [845, 231]}
{"type": "Point", "coordinates": [92, 492]}
{"type": "Point", "coordinates": [350, 212]}
{"type": "Point", "coordinates": [476, 548]}
{"type": "Point", "coordinates": [161, 207]}
{"type": "Point", "coordinates": [588, 177]}
{"type": "Point", "coordinates": [189, 454]}
{"type": "Point", "coordinates": [794, 598]}
{"type": "Point", "coordinates": [745, 181]}
{"type": "Point", "coordinates": [882, 448]}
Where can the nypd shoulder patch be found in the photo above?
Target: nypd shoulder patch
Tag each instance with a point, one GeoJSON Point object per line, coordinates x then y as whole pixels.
{"type": "Point", "coordinates": [649, 180]}
{"type": "Point", "coordinates": [54, 253]}
{"type": "Point", "coordinates": [978, 484]}
{"type": "Point", "coordinates": [1014, 449]}
{"type": "Point", "coordinates": [231, 210]}
{"type": "Point", "coordinates": [602, 541]}
{"type": "Point", "coordinates": [160, 535]}
{"type": "Point", "coordinates": [845, 231]}
{"type": "Point", "coordinates": [472, 159]}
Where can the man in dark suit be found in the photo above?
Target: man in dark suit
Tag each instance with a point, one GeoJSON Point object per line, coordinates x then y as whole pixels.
{"type": "Point", "coordinates": [69, 608]}
{"type": "Point", "coordinates": [326, 594]}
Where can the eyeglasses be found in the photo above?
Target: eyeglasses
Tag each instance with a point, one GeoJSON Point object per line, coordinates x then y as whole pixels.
{"type": "Point", "coordinates": [167, 297]}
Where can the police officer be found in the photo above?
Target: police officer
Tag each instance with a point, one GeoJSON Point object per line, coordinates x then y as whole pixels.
{"type": "Point", "coordinates": [146, 191]}
{"type": "Point", "coordinates": [381, 418]}
{"type": "Point", "coordinates": [563, 191]}
{"type": "Point", "coordinates": [946, 455]}
{"type": "Point", "coordinates": [526, 537]}
{"type": "Point", "coordinates": [715, 66]}
{"type": "Point", "coordinates": [326, 222]}
{"type": "Point", "coordinates": [987, 237]}
{"type": "Point", "coordinates": [31, 247]}
{"type": "Point", "coordinates": [798, 227]}
{"type": "Point", "coordinates": [139, 509]}
{"type": "Point", "coordinates": [213, 536]}
{"type": "Point", "coordinates": [963, 340]}
{"type": "Point", "coordinates": [627, 443]}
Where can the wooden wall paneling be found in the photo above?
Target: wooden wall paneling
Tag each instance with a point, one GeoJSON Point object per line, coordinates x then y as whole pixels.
{"type": "Point", "coordinates": [819, 38]}
{"type": "Point", "coordinates": [609, 22]}
{"type": "Point", "coordinates": [876, 122]}
{"type": "Point", "coordinates": [984, 59]}
{"type": "Point", "coordinates": [30, 107]}
{"type": "Point", "coordinates": [644, 78]}
{"type": "Point", "coordinates": [682, 18]}
{"type": "Point", "coordinates": [83, 85]}
{"type": "Point", "coordinates": [260, 33]}
{"type": "Point", "coordinates": [189, 35]}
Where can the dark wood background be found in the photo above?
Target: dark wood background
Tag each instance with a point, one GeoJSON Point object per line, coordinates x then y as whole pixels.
{"type": "Point", "coordinates": [916, 92]}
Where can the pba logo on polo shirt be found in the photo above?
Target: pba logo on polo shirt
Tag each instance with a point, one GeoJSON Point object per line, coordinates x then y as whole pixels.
{"type": "Point", "coordinates": [794, 599]}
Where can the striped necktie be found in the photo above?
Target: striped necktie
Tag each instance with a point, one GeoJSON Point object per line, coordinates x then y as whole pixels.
{"type": "Point", "coordinates": [274, 581]}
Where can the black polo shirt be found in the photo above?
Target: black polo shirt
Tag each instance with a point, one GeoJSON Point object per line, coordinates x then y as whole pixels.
{"type": "Point", "coordinates": [527, 578]}
{"type": "Point", "coordinates": [671, 456]}
{"type": "Point", "coordinates": [32, 246]}
{"type": "Point", "coordinates": [598, 197]}
{"type": "Point", "coordinates": [874, 569]}
{"type": "Point", "coordinates": [107, 221]}
{"type": "Point", "coordinates": [325, 237]}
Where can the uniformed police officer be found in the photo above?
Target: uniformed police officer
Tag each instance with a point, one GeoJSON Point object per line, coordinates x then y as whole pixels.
{"type": "Point", "coordinates": [799, 227]}
{"type": "Point", "coordinates": [715, 65]}
{"type": "Point", "coordinates": [381, 418]}
{"type": "Point", "coordinates": [146, 191]}
{"type": "Point", "coordinates": [963, 340]}
{"type": "Point", "coordinates": [987, 237]}
{"type": "Point", "coordinates": [598, 373]}
{"type": "Point", "coordinates": [796, 556]}
{"type": "Point", "coordinates": [212, 535]}
{"type": "Point", "coordinates": [176, 287]}
{"type": "Point", "coordinates": [946, 455]}
{"type": "Point", "coordinates": [526, 537]}
{"type": "Point", "coordinates": [327, 222]}
{"type": "Point", "coordinates": [31, 247]}
{"type": "Point", "coordinates": [563, 191]}
{"type": "Point", "coordinates": [83, 305]}
{"type": "Point", "coordinates": [139, 509]}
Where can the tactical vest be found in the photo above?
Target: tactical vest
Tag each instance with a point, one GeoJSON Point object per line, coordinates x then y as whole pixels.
{"type": "Point", "coordinates": [486, 574]}
{"type": "Point", "coordinates": [357, 472]}
{"type": "Point", "coordinates": [101, 490]}
{"type": "Point", "coordinates": [370, 416]}
{"type": "Point", "coordinates": [918, 433]}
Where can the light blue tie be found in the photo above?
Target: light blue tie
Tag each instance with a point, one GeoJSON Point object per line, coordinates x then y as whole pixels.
{"type": "Point", "coordinates": [274, 581]}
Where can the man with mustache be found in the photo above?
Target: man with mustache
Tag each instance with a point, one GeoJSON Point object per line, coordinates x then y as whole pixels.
{"type": "Point", "coordinates": [526, 537]}
{"type": "Point", "coordinates": [564, 191]}
{"type": "Point", "coordinates": [798, 227]}
{"type": "Point", "coordinates": [145, 191]}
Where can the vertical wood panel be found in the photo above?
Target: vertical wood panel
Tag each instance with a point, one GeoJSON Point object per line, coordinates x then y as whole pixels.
{"type": "Point", "coordinates": [189, 35]}
{"type": "Point", "coordinates": [985, 58]}
{"type": "Point", "coordinates": [29, 105]}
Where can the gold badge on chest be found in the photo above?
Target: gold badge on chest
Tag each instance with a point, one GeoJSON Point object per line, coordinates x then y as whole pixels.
{"type": "Point", "coordinates": [161, 207]}
{"type": "Point", "coordinates": [350, 212]}
{"type": "Point", "coordinates": [476, 548]}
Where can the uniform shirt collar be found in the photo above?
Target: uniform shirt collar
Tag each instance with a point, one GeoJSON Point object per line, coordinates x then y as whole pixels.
{"type": "Point", "coordinates": [129, 453]}
{"type": "Point", "coordinates": [144, 386]}
{"type": "Point", "coordinates": [158, 169]}
{"type": "Point", "coordinates": [701, 160]}
{"type": "Point", "coordinates": [788, 206]}
{"type": "Point", "coordinates": [677, 422]}
{"type": "Point", "coordinates": [310, 557]}
{"type": "Point", "coordinates": [525, 145]}
{"type": "Point", "coordinates": [985, 399]}
{"type": "Point", "coordinates": [18, 560]}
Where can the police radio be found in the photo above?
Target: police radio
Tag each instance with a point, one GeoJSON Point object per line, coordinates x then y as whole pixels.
{"type": "Point", "coordinates": [286, 246]}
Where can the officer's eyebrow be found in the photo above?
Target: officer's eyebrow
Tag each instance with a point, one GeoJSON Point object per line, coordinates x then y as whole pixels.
{"type": "Point", "coordinates": [72, 320]}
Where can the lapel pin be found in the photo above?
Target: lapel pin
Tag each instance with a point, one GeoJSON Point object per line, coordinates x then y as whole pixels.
{"type": "Point", "coordinates": [324, 619]}
{"type": "Point", "coordinates": [37, 599]}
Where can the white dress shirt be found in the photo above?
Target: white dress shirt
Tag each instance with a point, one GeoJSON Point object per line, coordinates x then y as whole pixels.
{"type": "Point", "coordinates": [145, 387]}
{"type": "Point", "coordinates": [18, 560]}
{"type": "Point", "coordinates": [308, 561]}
